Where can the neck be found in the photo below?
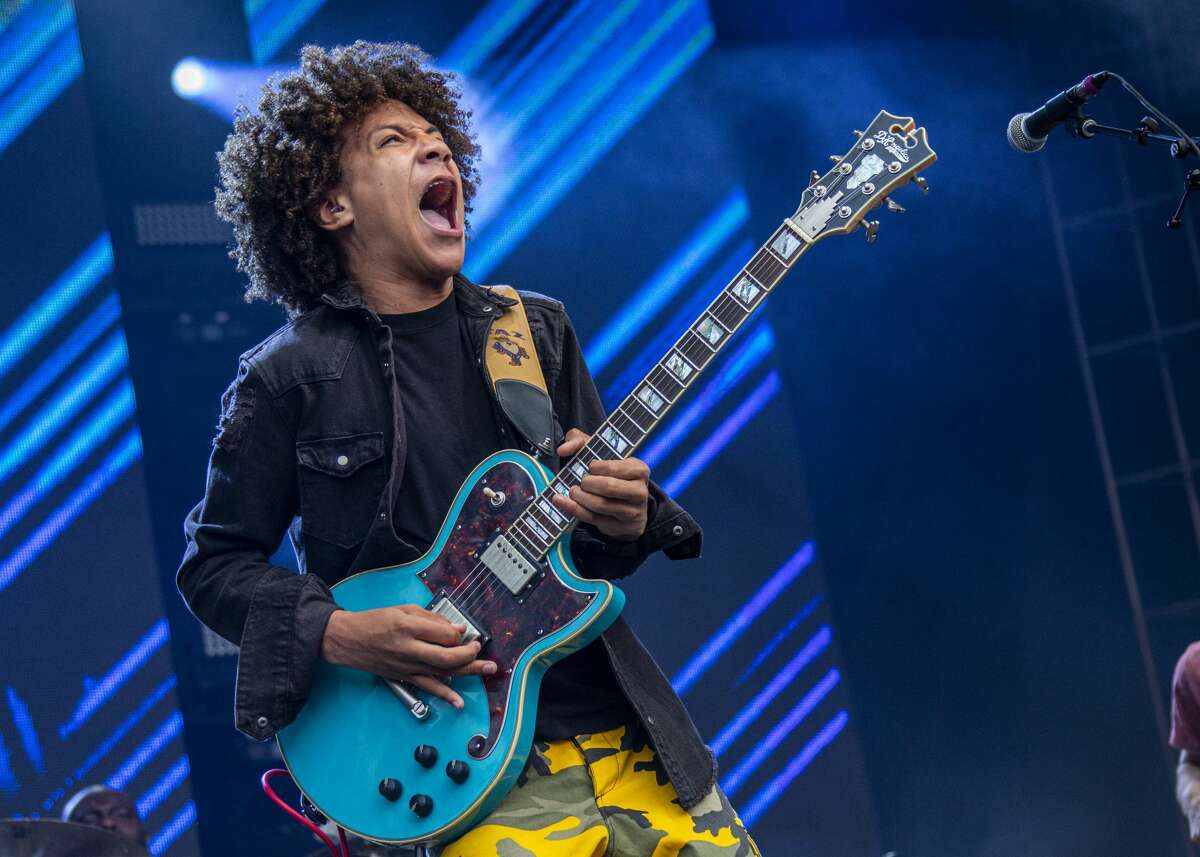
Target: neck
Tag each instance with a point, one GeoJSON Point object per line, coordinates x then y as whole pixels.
{"type": "Point", "coordinates": [389, 296]}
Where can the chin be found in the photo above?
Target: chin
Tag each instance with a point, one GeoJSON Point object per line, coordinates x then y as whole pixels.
{"type": "Point", "coordinates": [444, 265]}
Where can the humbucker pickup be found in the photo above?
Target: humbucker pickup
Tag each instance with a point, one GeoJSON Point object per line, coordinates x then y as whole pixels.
{"type": "Point", "coordinates": [508, 564]}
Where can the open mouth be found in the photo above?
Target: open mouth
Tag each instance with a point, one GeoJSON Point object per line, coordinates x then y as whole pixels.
{"type": "Point", "coordinates": [439, 205]}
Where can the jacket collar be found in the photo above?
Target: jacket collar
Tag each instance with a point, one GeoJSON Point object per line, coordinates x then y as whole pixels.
{"type": "Point", "coordinates": [472, 299]}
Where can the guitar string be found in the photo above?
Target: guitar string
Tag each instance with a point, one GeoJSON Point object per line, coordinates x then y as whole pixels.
{"type": "Point", "coordinates": [477, 584]}
{"type": "Point", "coordinates": [480, 570]}
{"type": "Point", "coordinates": [473, 594]}
{"type": "Point", "coordinates": [485, 585]}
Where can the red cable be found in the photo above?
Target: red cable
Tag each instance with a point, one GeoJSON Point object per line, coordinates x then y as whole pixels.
{"type": "Point", "coordinates": [282, 804]}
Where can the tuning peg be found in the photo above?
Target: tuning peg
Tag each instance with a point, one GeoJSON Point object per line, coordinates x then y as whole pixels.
{"type": "Point", "coordinates": [871, 227]}
{"type": "Point", "coordinates": [894, 206]}
{"type": "Point", "coordinates": [857, 133]}
{"type": "Point", "coordinates": [813, 178]}
{"type": "Point", "coordinates": [920, 182]}
{"type": "Point", "coordinates": [837, 159]}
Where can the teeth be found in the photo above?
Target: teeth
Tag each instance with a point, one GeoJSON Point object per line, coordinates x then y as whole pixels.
{"type": "Point", "coordinates": [437, 194]}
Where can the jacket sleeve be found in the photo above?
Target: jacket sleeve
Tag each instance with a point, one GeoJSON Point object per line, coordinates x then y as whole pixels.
{"type": "Point", "coordinates": [277, 617]}
{"type": "Point", "coordinates": [669, 528]}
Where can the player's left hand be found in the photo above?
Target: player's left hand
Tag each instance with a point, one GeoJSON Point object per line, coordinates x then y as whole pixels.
{"type": "Point", "coordinates": [614, 497]}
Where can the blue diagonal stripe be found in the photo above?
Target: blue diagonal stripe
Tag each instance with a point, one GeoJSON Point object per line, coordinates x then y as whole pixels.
{"type": "Point", "coordinates": [166, 732]}
{"type": "Point", "coordinates": [128, 450]}
{"type": "Point", "coordinates": [171, 779]}
{"type": "Point", "coordinates": [543, 60]}
{"type": "Point", "coordinates": [694, 465]}
{"type": "Point", "coordinates": [688, 312]}
{"type": "Point", "coordinates": [486, 32]}
{"type": "Point", "coordinates": [38, 24]}
{"type": "Point", "coordinates": [89, 330]}
{"type": "Point", "coordinates": [572, 57]}
{"type": "Point", "coordinates": [27, 730]}
{"type": "Point", "coordinates": [780, 635]}
{"type": "Point", "coordinates": [115, 737]}
{"type": "Point", "coordinates": [66, 403]}
{"type": "Point", "coordinates": [672, 275]}
{"type": "Point", "coordinates": [43, 83]}
{"type": "Point", "coordinates": [108, 416]}
{"type": "Point", "coordinates": [737, 624]}
{"type": "Point", "coordinates": [563, 125]}
{"type": "Point", "coordinates": [8, 780]}
{"type": "Point", "coordinates": [173, 829]}
{"type": "Point", "coordinates": [156, 696]}
{"type": "Point", "coordinates": [739, 364]}
{"type": "Point", "coordinates": [273, 23]}
{"type": "Point", "coordinates": [758, 703]}
{"type": "Point", "coordinates": [772, 791]}
{"type": "Point", "coordinates": [84, 274]}
{"type": "Point", "coordinates": [539, 196]}
{"type": "Point", "coordinates": [99, 692]}
{"type": "Point", "coordinates": [787, 724]}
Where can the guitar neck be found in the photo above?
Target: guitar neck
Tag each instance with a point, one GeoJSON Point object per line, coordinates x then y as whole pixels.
{"type": "Point", "coordinates": [541, 524]}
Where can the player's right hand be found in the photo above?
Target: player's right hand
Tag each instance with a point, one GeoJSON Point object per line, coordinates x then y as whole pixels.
{"type": "Point", "coordinates": [404, 642]}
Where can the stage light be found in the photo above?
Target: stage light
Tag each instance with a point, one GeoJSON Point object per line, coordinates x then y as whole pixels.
{"type": "Point", "coordinates": [189, 78]}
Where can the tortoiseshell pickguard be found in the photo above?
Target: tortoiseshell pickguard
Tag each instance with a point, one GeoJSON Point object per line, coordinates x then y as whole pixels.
{"type": "Point", "coordinates": [512, 626]}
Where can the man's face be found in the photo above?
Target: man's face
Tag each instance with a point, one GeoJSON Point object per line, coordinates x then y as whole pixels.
{"type": "Point", "coordinates": [402, 196]}
{"type": "Point", "coordinates": [113, 812]}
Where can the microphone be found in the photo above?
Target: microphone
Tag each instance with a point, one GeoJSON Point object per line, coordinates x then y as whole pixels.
{"type": "Point", "coordinates": [1027, 132]}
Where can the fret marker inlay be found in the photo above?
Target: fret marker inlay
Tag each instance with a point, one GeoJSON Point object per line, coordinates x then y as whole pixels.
{"type": "Point", "coordinates": [649, 398]}
{"type": "Point", "coordinates": [786, 244]}
{"type": "Point", "coordinates": [678, 366]}
{"type": "Point", "coordinates": [710, 330]}
{"type": "Point", "coordinates": [746, 290]}
{"type": "Point", "coordinates": [614, 440]}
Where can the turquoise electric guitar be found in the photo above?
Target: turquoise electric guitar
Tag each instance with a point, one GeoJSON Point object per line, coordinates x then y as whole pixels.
{"type": "Point", "coordinates": [388, 764]}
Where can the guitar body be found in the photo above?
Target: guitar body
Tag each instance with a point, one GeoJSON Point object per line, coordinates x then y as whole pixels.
{"type": "Point", "coordinates": [354, 732]}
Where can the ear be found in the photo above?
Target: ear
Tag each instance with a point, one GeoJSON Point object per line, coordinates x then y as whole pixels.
{"type": "Point", "coordinates": [333, 212]}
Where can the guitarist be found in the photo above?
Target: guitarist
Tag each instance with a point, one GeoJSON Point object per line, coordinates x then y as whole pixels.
{"type": "Point", "coordinates": [352, 427]}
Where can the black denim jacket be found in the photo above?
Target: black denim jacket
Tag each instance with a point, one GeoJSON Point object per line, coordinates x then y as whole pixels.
{"type": "Point", "coordinates": [311, 442]}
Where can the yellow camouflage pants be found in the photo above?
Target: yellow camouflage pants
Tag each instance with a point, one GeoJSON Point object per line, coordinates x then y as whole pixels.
{"type": "Point", "coordinates": [603, 795]}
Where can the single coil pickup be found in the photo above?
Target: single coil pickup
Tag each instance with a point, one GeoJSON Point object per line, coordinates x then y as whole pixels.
{"type": "Point", "coordinates": [455, 615]}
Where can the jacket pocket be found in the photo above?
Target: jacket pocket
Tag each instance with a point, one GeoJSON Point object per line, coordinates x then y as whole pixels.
{"type": "Point", "coordinates": [341, 480]}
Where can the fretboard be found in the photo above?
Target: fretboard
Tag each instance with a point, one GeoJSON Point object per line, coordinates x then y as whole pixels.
{"type": "Point", "coordinates": [539, 526]}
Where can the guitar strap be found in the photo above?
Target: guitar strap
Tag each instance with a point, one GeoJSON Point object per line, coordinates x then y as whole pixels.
{"type": "Point", "coordinates": [516, 375]}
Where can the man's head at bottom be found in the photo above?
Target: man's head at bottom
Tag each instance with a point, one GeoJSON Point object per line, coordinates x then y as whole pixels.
{"type": "Point", "coordinates": [108, 809]}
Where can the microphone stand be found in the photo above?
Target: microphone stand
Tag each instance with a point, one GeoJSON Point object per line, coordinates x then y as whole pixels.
{"type": "Point", "coordinates": [1085, 127]}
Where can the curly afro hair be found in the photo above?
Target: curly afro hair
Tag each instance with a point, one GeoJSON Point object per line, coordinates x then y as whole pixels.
{"type": "Point", "coordinates": [281, 160]}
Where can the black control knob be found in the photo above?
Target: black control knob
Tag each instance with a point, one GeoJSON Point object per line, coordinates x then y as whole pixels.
{"type": "Point", "coordinates": [391, 789]}
{"type": "Point", "coordinates": [457, 771]}
{"type": "Point", "coordinates": [425, 755]}
{"type": "Point", "coordinates": [422, 805]}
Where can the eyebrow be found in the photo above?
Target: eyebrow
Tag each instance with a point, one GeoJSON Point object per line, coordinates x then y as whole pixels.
{"type": "Point", "coordinates": [431, 129]}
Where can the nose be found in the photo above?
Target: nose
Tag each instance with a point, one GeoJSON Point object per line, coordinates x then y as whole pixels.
{"type": "Point", "coordinates": [435, 149]}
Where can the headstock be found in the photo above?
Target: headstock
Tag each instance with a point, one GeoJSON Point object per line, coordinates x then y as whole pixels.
{"type": "Point", "coordinates": [888, 154]}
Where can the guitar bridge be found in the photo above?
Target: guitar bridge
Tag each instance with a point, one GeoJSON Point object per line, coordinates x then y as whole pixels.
{"type": "Point", "coordinates": [446, 608]}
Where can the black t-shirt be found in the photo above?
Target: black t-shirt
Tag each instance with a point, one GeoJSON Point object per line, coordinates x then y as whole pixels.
{"type": "Point", "coordinates": [450, 426]}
